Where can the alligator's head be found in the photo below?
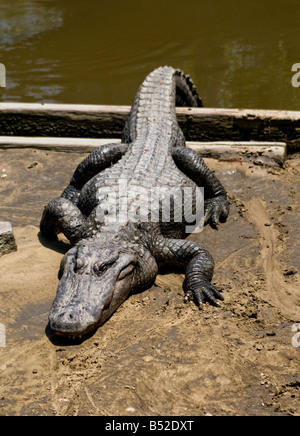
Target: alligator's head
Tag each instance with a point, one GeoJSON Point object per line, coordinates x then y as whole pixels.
{"type": "Point", "coordinates": [94, 281]}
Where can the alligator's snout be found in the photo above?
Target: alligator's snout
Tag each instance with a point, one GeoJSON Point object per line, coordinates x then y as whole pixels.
{"type": "Point", "coordinates": [94, 282]}
{"type": "Point", "coordinates": [71, 322]}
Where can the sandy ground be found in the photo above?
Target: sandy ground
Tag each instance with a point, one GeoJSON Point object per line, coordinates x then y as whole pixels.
{"type": "Point", "coordinates": [158, 355]}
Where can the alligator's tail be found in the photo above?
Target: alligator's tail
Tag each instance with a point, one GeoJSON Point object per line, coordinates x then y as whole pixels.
{"type": "Point", "coordinates": [186, 93]}
{"type": "Point", "coordinates": [163, 84]}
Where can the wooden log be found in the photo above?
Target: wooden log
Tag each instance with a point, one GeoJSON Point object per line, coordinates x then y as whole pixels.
{"type": "Point", "coordinates": [198, 124]}
{"type": "Point", "coordinates": [259, 152]}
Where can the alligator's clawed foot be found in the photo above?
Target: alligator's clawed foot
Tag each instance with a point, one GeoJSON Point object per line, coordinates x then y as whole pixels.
{"type": "Point", "coordinates": [216, 210]}
{"type": "Point", "coordinates": [205, 292]}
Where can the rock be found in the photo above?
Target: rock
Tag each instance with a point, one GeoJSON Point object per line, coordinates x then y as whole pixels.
{"type": "Point", "coordinates": [32, 165]}
{"type": "Point", "coordinates": [290, 271]}
{"type": "Point", "coordinates": [7, 239]}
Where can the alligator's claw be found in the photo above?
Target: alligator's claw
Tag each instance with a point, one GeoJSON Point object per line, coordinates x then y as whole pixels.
{"type": "Point", "coordinates": [216, 210]}
{"type": "Point", "coordinates": [205, 292]}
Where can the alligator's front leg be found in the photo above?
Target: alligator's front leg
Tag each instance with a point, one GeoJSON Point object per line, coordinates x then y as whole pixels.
{"type": "Point", "coordinates": [216, 206]}
{"type": "Point", "coordinates": [198, 265]}
{"type": "Point", "coordinates": [62, 214]}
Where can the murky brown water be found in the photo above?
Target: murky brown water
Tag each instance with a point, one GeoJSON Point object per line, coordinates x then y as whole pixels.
{"type": "Point", "coordinates": [239, 53]}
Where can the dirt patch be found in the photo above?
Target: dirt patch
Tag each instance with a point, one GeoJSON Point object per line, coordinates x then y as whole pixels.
{"type": "Point", "coordinates": [158, 355]}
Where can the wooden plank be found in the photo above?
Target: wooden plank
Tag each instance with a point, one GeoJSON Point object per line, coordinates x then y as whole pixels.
{"type": "Point", "coordinates": [62, 120]}
{"type": "Point", "coordinates": [263, 152]}
{"type": "Point", "coordinates": [73, 145]}
{"type": "Point", "coordinates": [198, 124]}
{"type": "Point", "coordinates": [213, 124]}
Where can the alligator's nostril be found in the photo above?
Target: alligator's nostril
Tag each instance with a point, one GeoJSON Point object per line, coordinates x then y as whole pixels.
{"type": "Point", "coordinates": [68, 322]}
{"type": "Point", "coordinates": [65, 315]}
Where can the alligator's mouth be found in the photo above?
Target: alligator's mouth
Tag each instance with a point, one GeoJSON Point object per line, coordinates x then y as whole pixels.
{"type": "Point", "coordinates": [88, 293]}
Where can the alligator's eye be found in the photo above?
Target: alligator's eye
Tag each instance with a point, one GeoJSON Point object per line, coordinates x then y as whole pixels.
{"type": "Point", "coordinates": [99, 268]}
{"type": "Point", "coordinates": [126, 271]}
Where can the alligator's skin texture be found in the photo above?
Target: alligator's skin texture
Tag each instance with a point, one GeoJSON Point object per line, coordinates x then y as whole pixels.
{"type": "Point", "coordinates": [109, 260]}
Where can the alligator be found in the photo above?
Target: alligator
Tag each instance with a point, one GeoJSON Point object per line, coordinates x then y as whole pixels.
{"type": "Point", "coordinates": [111, 258]}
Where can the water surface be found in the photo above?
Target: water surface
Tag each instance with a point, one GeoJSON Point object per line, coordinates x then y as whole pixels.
{"type": "Point", "coordinates": [239, 53]}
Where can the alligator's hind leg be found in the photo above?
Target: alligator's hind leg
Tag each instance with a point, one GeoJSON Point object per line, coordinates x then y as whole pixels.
{"type": "Point", "coordinates": [99, 159]}
{"type": "Point", "coordinates": [216, 207]}
{"type": "Point", "coordinates": [198, 265]}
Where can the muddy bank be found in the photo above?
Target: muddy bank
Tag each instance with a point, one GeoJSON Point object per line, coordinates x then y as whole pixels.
{"type": "Point", "coordinates": [158, 355]}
